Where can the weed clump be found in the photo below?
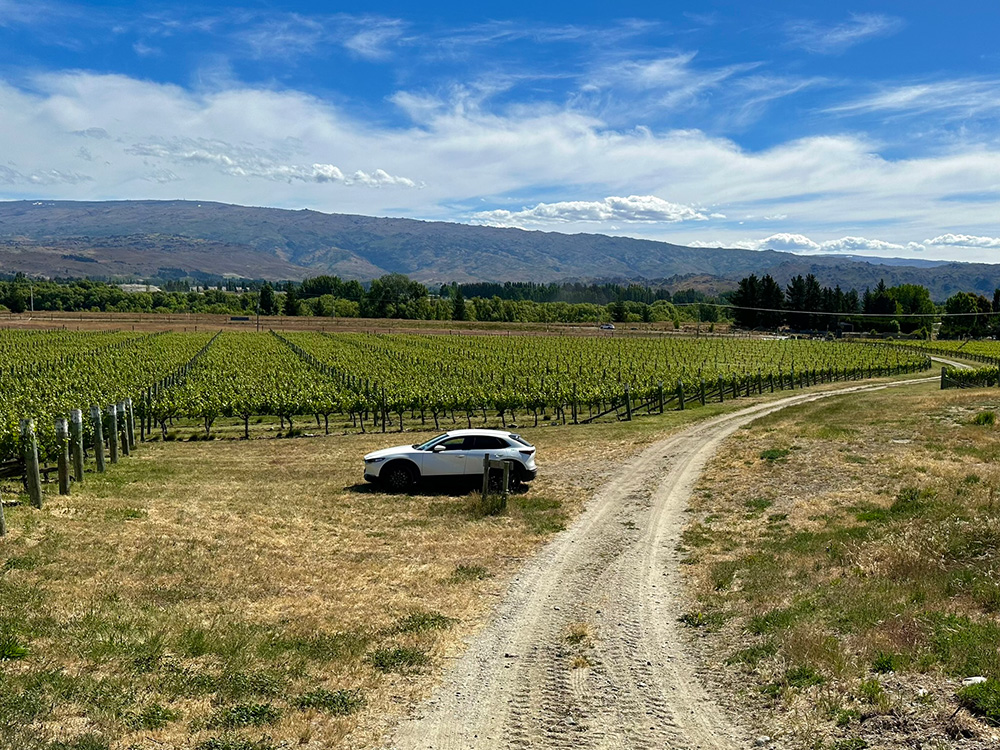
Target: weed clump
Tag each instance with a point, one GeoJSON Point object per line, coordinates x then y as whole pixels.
{"type": "Point", "coordinates": [336, 702]}
{"type": "Point", "coordinates": [244, 715]}
{"type": "Point", "coordinates": [465, 573]}
{"type": "Point", "coordinates": [402, 659]}
{"type": "Point", "coordinates": [983, 700]}
{"type": "Point", "coordinates": [986, 418]}
{"type": "Point", "coordinates": [774, 454]}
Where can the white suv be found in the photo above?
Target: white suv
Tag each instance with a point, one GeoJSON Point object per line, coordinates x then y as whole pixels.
{"type": "Point", "coordinates": [458, 453]}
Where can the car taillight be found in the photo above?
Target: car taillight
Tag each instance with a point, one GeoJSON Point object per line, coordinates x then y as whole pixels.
{"type": "Point", "coordinates": [527, 453]}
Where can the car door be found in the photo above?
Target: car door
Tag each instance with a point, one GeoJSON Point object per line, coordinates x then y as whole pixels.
{"type": "Point", "coordinates": [447, 462]}
{"type": "Point", "coordinates": [484, 445]}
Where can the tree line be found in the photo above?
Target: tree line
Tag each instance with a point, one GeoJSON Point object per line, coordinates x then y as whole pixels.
{"type": "Point", "coordinates": [805, 305]}
{"type": "Point", "coordinates": [391, 296]}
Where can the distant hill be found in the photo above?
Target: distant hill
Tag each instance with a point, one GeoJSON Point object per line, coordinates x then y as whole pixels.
{"type": "Point", "coordinates": [171, 238]}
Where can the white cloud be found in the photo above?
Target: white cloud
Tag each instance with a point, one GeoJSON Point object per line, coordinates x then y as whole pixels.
{"type": "Point", "coordinates": [964, 240]}
{"type": "Point", "coordinates": [634, 208]}
{"type": "Point", "coordinates": [40, 177]}
{"type": "Point", "coordinates": [828, 40]}
{"type": "Point", "coordinates": [789, 242]}
{"type": "Point", "coordinates": [285, 148]}
{"type": "Point", "coordinates": [860, 244]}
{"type": "Point", "coordinates": [248, 161]}
{"type": "Point", "coordinates": [955, 97]}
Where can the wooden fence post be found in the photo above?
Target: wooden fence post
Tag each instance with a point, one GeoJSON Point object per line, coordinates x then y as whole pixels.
{"type": "Point", "coordinates": [98, 422]}
{"type": "Point", "coordinates": [943, 371]}
{"type": "Point", "coordinates": [659, 390]}
{"type": "Point", "coordinates": [123, 445]}
{"type": "Point", "coordinates": [703, 391]}
{"type": "Point", "coordinates": [680, 394]}
{"type": "Point", "coordinates": [3, 521]}
{"type": "Point", "coordinates": [486, 475]}
{"type": "Point", "coordinates": [722, 395]}
{"type": "Point", "coordinates": [628, 403]}
{"type": "Point", "coordinates": [29, 446]}
{"type": "Point", "coordinates": [62, 446]}
{"type": "Point", "coordinates": [76, 442]}
{"type": "Point", "coordinates": [130, 423]}
{"type": "Point", "coordinates": [113, 431]}
{"type": "Point", "coordinates": [574, 403]}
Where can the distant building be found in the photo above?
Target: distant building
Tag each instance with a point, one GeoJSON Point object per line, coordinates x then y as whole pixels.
{"type": "Point", "coordinates": [134, 288]}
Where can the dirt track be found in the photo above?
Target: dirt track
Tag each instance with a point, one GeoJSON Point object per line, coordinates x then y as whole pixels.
{"type": "Point", "coordinates": [616, 570]}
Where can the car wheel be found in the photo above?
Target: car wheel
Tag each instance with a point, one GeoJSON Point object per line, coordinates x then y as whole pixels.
{"type": "Point", "coordinates": [397, 478]}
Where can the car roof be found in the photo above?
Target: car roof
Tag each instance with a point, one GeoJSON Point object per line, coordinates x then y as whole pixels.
{"type": "Point", "coordinates": [490, 433]}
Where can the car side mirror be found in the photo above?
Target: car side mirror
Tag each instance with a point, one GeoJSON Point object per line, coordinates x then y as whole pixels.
{"type": "Point", "coordinates": [438, 449]}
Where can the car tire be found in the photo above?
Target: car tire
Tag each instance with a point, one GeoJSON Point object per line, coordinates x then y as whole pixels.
{"type": "Point", "coordinates": [396, 478]}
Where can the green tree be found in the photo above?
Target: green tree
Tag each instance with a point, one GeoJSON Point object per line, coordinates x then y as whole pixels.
{"type": "Point", "coordinates": [268, 301]}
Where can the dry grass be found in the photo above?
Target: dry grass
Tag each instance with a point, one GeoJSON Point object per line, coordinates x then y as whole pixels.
{"type": "Point", "coordinates": [856, 573]}
{"type": "Point", "coordinates": [231, 590]}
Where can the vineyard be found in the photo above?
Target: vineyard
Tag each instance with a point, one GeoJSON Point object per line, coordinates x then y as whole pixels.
{"type": "Point", "coordinates": [364, 382]}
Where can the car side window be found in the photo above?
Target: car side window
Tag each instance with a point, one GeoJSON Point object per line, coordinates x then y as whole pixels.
{"type": "Point", "coordinates": [488, 443]}
{"type": "Point", "coordinates": [453, 444]}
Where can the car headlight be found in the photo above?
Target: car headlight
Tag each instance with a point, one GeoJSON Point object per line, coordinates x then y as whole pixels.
{"type": "Point", "coordinates": [374, 460]}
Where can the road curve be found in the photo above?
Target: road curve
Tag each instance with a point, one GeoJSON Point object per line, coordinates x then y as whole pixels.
{"type": "Point", "coordinates": [616, 570]}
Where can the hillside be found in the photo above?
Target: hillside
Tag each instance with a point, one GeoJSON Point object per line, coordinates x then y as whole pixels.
{"type": "Point", "coordinates": [171, 238]}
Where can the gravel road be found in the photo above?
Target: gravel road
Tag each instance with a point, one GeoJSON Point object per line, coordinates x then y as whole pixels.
{"type": "Point", "coordinates": [615, 575]}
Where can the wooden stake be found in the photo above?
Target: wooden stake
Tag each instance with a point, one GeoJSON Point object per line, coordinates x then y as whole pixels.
{"type": "Point", "coordinates": [62, 446]}
{"type": "Point", "coordinates": [113, 431]}
{"type": "Point", "coordinates": [76, 443]}
{"type": "Point", "coordinates": [97, 420]}
{"type": "Point", "coordinates": [29, 445]}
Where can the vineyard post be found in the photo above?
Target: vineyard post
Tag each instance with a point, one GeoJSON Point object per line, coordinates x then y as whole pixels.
{"type": "Point", "coordinates": [722, 395]}
{"type": "Point", "coordinates": [628, 403]}
{"type": "Point", "coordinates": [943, 371]}
{"type": "Point", "coordinates": [574, 403]}
{"type": "Point", "coordinates": [98, 422]}
{"type": "Point", "coordinates": [680, 394]}
{"type": "Point", "coordinates": [144, 403]}
{"type": "Point", "coordinates": [130, 423]}
{"type": "Point", "coordinates": [33, 478]}
{"type": "Point", "coordinates": [3, 522]}
{"type": "Point", "coordinates": [113, 431]}
{"type": "Point", "coordinates": [62, 446]}
{"type": "Point", "coordinates": [122, 412]}
{"type": "Point", "coordinates": [76, 442]}
{"type": "Point", "coordinates": [703, 391]}
{"type": "Point", "coordinates": [659, 389]}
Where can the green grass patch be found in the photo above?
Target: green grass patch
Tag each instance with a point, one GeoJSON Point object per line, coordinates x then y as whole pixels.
{"type": "Point", "coordinates": [236, 743]}
{"type": "Point", "coordinates": [11, 647]}
{"type": "Point", "coordinates": [420, 622]}
{"type": "Point", "coordinates": [983, 700]}
{"type": "Point", "coordinates": [774, 454]}
{"type": "Point", "coordinates": [244, 715]}
{"type": "Point", "coordinates": [700, 619]}
{"type": "Point", "coordinates": [753, 655]}
{"type": "Point", "coordinates": [986, 418]}
{"type": "Point", "coordinates": [467, 573]}
{"type": "Point", "coordinates": [401, 659]}
{"type": "Point", "coordinates": [541, 515]}
{"type": "Point", "coordinates": [336, 702]}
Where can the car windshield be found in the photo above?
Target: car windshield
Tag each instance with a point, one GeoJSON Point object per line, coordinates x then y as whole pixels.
{"type": "Point", "coordinates": [430, 443]}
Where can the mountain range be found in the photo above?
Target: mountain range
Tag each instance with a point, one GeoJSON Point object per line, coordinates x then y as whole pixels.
{"type": "Point", "coordinates": [168, 239]}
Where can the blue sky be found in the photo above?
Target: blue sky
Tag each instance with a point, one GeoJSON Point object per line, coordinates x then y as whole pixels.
{"type": "Point", "coordinates": [867, 129]}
